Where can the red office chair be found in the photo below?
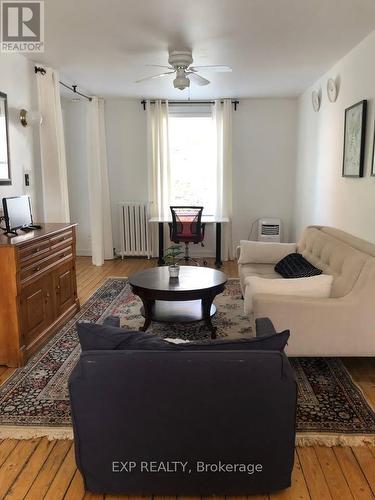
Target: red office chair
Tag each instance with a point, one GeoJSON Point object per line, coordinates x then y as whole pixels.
{"type": "Point", "coordinates": [186, 227]}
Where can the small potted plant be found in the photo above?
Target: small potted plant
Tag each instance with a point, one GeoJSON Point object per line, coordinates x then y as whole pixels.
{"type": "Point", "coordinates": [170, 256]}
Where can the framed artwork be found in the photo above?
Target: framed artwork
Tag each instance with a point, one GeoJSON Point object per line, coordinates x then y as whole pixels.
{"type": "Point", "coordinates": [373, 155]}
{"type": "Point", "coordinates": [5, 177]}
{"type": "Point", "coordinates": [354, 140]}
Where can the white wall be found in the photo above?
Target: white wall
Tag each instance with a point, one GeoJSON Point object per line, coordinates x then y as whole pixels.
{"type": "Point", "coordinates": [127, 154]}
{"type": "Point", "coordinates": [75, 127]}
{"type": "Point", "coordinates": [264, 159]}
{"type": "Point", "coordinates": [264, 136]}
{"type": "Point", "coordinates": [19, 83]}
{"type": "Point", "coordinates": [323, 196]}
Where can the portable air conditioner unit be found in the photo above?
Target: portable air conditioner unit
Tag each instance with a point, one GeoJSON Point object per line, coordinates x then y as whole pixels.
{"type": "Point", "coordinates": [269, 229]}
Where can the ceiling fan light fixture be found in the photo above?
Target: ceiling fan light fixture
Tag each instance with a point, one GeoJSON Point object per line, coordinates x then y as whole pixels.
{"type": "Point", "coordinates": [180, 62]}
{"type": "Point", "coordinates": [181, 81]}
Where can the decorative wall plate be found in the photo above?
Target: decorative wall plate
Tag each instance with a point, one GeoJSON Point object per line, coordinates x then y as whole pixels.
{"type": "Point", "coordinates": [315, 99]}
{"type": "Point", "coordinates": [331, 90]}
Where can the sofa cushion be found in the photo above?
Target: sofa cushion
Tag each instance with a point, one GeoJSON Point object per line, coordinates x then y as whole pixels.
{"type": "Point", "coordinates": [261, 270]}
{"type": "Point", "coordinates": [315, 286]}
{"type": "Point", "coordinates": [295, 265]}
{"type": "Point", "coordinates": [95, 337]}
{"type": "Point", "coordinates": [259, 252]}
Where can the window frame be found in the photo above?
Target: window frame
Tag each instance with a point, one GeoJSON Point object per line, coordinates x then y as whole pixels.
{"type": "Point", "coordinates": [191, 111]}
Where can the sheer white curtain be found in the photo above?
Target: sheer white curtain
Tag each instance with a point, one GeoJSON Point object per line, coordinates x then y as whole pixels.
{"type": "Point", "coordinates": [52, 148]}
{"type": "Point", "coordinates": [100, 208]}
{"type": "Point", "coordinates": [223, 121]}
{"type": "Point", "coordinates": [158, 163]}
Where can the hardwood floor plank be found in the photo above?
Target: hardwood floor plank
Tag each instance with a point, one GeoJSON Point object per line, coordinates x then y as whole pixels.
{"type": "Point", "coordinates": [365, 372]}
{"type": "Point", "coordinates": [48, 471]}
{"type": "Point", "coordinates": [298, 489]}
{"type": "Point", "coordinates": [6, 374]}
{"type": "Point", "coordinates": [366, 461]}
{"type": "Point", "coordinates": [357, 482]}
{"type": "Point", "coordinates": [313, 474]}
{"type": "Point", "coordinates": [94, 275]}
{"type": "Point", "coordinates": [337, 484]}
{"type": "Point", "coordinates": [63, 477]}
{"type": "Point", "coordinates": [6, 447]}
{"type": "Point", "coordinates": [93, 496]}
{"type": "Point", "coordinates": [14, 464]}
{"type": "Point", "coordinates": [76, 490]}
{"type": "Point", "coordinates": [369, 390]}
{"type": "Point", "coordinates": [25, 479]}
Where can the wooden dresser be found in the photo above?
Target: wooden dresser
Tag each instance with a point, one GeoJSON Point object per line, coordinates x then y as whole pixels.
{"type": "Point", "coordinates": [38, 289]}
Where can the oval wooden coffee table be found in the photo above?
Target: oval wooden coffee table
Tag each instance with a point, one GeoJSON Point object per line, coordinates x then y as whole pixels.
{"type": "Point", "coordinates": [184, 299]}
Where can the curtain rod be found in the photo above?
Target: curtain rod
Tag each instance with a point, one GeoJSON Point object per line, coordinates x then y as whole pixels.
{"type": "Point", "coordinates": [152, 101]}
{"type": "Point", "coordinates": [73, 88]}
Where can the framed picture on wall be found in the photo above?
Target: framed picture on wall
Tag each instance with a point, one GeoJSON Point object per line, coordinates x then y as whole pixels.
{"type": "Point", "coordinates": [354, 140]}
{"type": "Point", "coordinates": [373, 155]}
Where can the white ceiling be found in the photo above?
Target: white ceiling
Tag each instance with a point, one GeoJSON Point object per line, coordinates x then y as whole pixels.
{"type": "Point", "coordinates": [275, 47]}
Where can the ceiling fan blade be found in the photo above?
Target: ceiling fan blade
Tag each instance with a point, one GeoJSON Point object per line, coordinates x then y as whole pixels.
{"type": "Point", "coordinates": [158, 66]}
{"type": "Point", "coordinates": [154, 76]}
{"type": "Point", "coordinates": [219, 69]}
{"type": "Point", "coordinates": [199, 80]}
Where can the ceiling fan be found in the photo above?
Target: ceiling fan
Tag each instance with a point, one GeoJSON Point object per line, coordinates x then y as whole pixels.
{"type": "Point", "coordinates": [180, 63]}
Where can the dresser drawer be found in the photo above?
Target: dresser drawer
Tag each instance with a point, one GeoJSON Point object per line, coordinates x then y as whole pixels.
{"type": "Point", "coordinates": [41, 265]}
{"type": "Point", "coordinates": [34, 250]}
{"type": "Point", "coordinates": [33, 253]}
{"type": "Point", "coordinates": [62, 238]}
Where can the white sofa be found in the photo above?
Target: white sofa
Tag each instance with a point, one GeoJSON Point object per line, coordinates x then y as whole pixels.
{"type": "Point", "coordinates": [342, 324]}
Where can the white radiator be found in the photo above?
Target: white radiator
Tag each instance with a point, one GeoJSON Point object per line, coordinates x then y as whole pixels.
{"type": "Point", "coordinates": [134, 230]}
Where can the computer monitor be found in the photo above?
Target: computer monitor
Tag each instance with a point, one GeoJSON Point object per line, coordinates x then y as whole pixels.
{"type": "Point", "coordinates": [17, 213]}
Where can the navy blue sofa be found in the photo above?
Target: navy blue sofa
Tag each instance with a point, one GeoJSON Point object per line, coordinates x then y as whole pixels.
{"type": "Point", "coordinates": [184, 422]}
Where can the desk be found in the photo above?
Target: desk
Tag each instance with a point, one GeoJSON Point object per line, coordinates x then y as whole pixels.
{"type": "Point", "coordinates": [206, 219]}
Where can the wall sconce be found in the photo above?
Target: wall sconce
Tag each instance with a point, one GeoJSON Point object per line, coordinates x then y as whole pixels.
{"type": "Point", "coordinates": [30, 117]}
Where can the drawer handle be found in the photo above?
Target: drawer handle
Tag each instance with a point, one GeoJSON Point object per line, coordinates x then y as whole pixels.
{"type": "Point", "coordinates": [36, 269]}
{"type": "Point", "coordinates": [36, 250]}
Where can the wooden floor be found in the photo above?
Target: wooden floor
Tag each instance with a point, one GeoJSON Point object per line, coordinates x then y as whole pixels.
{"type": "Point", "coordinates": [38, 468]}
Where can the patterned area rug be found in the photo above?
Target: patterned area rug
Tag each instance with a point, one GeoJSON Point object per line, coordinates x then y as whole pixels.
{"type": "Point", "coordinates": [34, 401]}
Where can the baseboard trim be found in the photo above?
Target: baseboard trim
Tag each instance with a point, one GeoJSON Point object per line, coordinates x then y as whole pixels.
{"type": "Point", "coordinates": [83, 253]}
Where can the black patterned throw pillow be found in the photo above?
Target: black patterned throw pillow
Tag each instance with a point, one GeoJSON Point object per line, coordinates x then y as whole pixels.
{"type": "Point", "coordinates": [295, 265]}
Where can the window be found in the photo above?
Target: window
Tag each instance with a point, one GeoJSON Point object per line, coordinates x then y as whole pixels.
{"type": "Point", "coordinates": [192, 144]}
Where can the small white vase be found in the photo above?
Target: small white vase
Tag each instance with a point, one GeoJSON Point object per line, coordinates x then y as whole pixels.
{"type": "Point", "coordinates": [174, 271]}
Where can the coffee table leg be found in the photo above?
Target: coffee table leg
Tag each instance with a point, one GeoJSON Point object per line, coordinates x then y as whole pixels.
{"type": "Point", "coordinates": [147, 306]}
{"type": "Point", "coordinates": [206, 306]}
